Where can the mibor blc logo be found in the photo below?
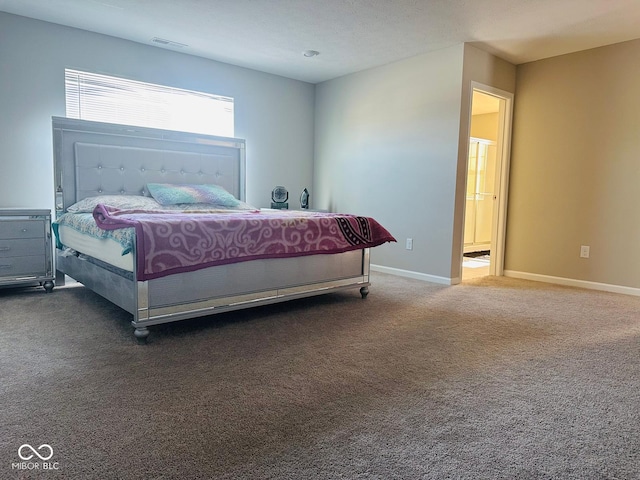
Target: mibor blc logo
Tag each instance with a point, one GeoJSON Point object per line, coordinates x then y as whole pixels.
{"type": "Point", "coordinates": [35, 458]}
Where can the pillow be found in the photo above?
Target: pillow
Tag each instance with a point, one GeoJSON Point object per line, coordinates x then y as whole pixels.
{"type": "Point", "coordinates": [123, 202]}
{"type": "Point", "coordinates": [207, 207]}
{"type": "Point", "coordinates": [171, 194]}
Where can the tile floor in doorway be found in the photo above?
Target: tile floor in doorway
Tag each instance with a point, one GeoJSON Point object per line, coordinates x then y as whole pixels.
{"type": "Point", "coordinates": [475, 266]}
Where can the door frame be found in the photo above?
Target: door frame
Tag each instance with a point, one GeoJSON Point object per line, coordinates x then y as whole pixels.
{"type": "Point", "coordinates": [503, 161]}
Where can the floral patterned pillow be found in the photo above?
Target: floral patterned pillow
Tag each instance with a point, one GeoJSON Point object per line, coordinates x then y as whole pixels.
{"type": "Point", "coordinates": [172, 194]}
{"type": "Point", "coordinates": [206, 207]}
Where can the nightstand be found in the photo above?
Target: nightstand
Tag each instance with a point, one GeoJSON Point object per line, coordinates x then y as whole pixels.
{"type": "Point", "coordinates": [26, 255]}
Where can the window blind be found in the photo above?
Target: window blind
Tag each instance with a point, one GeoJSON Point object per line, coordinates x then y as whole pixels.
{"type": "Point", "coordinates": [103, 98]}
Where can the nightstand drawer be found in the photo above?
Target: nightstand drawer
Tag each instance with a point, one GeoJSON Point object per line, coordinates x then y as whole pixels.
{"type": "Point", "coordinates": [20, 248]}
{"type": "Point", "coordinates": [22, 229]}
{"type": "Point", "coordinates": [34, 265]}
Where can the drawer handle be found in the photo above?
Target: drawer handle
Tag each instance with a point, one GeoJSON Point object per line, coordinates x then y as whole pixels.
{"type": "Point", "coordinates": [5, 266]}
{"type": "Point", "coordinates": [5, 249]}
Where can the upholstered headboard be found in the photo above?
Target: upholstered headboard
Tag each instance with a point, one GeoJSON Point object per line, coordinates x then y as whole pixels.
{"type": "Point", "coordinates": [93, 158]}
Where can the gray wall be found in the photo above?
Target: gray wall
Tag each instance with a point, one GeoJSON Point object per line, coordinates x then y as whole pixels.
{"type": "Point", "coordinates": [391, 142]}
{"type": "Point", "coordinates": [387, 146]}
{"type": "Point", "coordinates": [385, 142]}
{"type": "Point", "coordinates": [274, 114]}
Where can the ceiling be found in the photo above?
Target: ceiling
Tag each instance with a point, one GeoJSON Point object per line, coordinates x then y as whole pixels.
{"type": "Point", "coordinates": [351, 35]}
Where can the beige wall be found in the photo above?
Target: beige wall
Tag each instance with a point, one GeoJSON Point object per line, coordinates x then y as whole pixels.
{"type": "Point", "coordinates": [575, 168]}
{"type": "Point", "coordinates": [485, 126]}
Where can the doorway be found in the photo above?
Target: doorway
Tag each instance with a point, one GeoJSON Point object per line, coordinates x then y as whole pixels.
{"type": "Point", "coordinates": [487, 178]}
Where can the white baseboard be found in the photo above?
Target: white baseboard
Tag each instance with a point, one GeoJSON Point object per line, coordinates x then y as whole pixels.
{"type": "Point", "coordinates": [415, 275]}
{"type": "Point", "coordinates": [571, 282]}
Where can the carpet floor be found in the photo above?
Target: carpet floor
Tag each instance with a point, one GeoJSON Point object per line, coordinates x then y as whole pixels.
{"type": "Point", "coordinates": [495, 378]}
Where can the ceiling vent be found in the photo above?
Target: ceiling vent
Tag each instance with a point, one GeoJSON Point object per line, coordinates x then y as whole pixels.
{"type": "Point", "coordinates": [168, 43]}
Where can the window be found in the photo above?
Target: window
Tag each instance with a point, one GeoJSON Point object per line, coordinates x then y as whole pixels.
{"type": "Point", "coordinates": [102, 98]}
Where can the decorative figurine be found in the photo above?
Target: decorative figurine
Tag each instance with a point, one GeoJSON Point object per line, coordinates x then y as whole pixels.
{"type": "Point", "coordinates": [279, 195]}
{"type": "Point", "coordinates": [304, 199]}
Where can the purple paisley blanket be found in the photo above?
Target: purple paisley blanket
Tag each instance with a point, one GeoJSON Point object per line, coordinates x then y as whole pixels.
{"type": "Point", "coordinates": [168, 243]}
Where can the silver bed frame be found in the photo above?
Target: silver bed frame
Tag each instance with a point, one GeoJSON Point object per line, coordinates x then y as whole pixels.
{"type": "Point", "coordinates": [93, 158]}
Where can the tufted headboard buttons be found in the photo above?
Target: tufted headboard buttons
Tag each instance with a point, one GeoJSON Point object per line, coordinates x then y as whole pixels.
{"type": "Point", "coordinates": [102, 168]}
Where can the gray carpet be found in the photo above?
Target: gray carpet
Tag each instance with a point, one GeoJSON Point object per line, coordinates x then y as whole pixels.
{"type": "Point", "coordinates": [493, 379]}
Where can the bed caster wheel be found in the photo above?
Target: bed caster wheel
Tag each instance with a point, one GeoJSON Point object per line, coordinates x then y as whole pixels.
{"type": "Point", "coordinates": [48, 286]}
{"type": "Point", "coordinates": [141, 334]}
{"type": "Point", "coordinates": [364, 291]}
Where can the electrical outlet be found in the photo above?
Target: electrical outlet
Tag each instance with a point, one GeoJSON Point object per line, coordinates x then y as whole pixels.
{"type": "Point", "coordinates": [584, 251]}
{"type": "Point", "coordinates": [409, 244]}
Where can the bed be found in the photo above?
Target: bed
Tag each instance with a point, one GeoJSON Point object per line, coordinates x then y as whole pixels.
{"type": "Point", "coordinates": [94, 160]}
